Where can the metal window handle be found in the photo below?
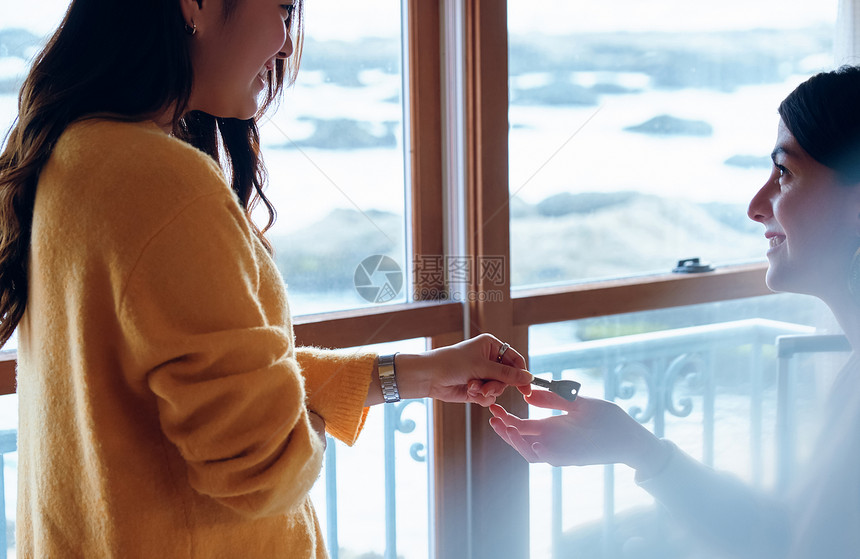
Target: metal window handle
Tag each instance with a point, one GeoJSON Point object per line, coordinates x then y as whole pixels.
{"type": "Point", "coordinates": [567, 389]}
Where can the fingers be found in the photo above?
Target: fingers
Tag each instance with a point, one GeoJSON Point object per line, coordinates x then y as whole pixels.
{"type": "Point", "coordinates": [500, 428]}
{"type": "Point", "coordinates": [473, 388]}
{"type": "Point", "coordinates": [524, 426]}
{"type": "Point", "coordinates": [513, 437]}
{"type": "Point", "coordinates": [508, 374]}
{"type": "Point", "coordinates": [512, 430]}
{"type": "Point", "coordinates": [499, 412]}
{"type": "Point", "coordinates": [514, 358]}
{"type": "Point", "coordinates": [492, 388]}
{"type": "Point", "coordinates": [521, 444]}
{"type": "Point", "coordinates": [483, 401]}
{"type": "Point", "coordinates": [549, 400]}
{"type": "Point", "coordinates": [513, 363]}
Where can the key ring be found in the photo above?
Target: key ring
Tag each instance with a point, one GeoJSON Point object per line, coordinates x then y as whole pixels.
{"type": "Point", "coordinates": [505, 347]}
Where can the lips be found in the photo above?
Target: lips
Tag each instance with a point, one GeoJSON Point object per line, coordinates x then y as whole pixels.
{"type": "Point", "coordinates": [776, 240]}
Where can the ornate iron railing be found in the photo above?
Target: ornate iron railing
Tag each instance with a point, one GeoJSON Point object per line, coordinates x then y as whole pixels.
{"type": "Point", "coordinates": [660, 361]}
{"type": "Point", "coordinates": [394, 422]}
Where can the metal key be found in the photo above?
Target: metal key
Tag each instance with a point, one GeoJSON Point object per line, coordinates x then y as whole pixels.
{"type": "Point", "coordinates": [567, 389]}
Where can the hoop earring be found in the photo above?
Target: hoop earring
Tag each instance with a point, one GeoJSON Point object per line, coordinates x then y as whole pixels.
{"type": "Point", "coordinates": [191, 29]}
{"type": "Point", "coordinates": [854, 276]}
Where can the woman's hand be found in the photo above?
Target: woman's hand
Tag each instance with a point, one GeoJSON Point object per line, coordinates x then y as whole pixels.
{"type": "Point", "coordinates": [590, 432]}
{"type": "Point", "coordinates": [464, 372]}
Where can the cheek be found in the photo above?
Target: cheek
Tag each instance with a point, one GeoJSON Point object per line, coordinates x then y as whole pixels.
{"type": "Point", "coordinates": [272, 38]}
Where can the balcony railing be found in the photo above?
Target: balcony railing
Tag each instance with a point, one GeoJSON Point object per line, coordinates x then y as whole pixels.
{"type": "Point", "coordinates": [648, 369]}
{"type": "Point", "coordinates": [394, 422]}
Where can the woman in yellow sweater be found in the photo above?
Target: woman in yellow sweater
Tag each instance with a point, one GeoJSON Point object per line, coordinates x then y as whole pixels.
{"type": "Point", "coordinates": [164, 410]}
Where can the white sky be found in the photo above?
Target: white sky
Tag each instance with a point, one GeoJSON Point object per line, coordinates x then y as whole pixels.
{"type": "Point", "coordinates": [331, 19]}
{"type": "Point", "coordinates": [565, 16]}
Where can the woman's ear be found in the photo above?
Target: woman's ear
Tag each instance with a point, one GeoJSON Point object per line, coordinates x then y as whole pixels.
{"type": "Point", "coordinates": [189, 11]}
{"type": "Point", "coordinates": [192, 12]}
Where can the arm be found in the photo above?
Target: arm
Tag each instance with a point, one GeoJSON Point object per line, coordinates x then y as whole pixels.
{"type": "Point", "coordinates": [336, 384]}
{"type": "Point", "coordinates": [203, 325]}
{"type": "Point", "coordinates": [465, 372]}
{"type": "Point", "coordinates": [720, 509]}
{"type": "Point", "coordinates": [342, 386]}
{"type": "Point", "coordinates": [716, 507]}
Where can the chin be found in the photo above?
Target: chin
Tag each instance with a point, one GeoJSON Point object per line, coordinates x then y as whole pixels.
{"type": "Point", "coordinates": [246, 112]}
{"type": "Point", "coordinates": [776, 281]}
{"type": "Point", "coordinates": [244, 109]}
{"type": "Point", "coordinates": [780, 282]}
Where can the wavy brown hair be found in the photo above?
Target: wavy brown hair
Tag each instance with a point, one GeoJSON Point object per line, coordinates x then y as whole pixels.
{"type": "Point", "coordinates": [119, 59]}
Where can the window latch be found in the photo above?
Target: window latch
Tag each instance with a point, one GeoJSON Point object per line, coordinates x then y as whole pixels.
{"type": "Point", "coordinates": [692, 266]}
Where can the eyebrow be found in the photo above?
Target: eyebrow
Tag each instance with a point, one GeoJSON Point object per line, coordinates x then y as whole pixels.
{"type": "Point", "coordinates": [781, 150]}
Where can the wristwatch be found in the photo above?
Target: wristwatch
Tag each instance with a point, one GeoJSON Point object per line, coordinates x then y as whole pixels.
{"type": "Point", "coordinates": [388, 378]}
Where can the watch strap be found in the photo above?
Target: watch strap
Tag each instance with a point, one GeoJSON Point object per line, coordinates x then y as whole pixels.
{"type": "Point", "coordinates": [388, 378]}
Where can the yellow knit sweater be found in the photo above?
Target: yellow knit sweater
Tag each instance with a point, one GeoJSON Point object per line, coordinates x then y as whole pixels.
{"type": "Point", "coordinates": [162, 401]}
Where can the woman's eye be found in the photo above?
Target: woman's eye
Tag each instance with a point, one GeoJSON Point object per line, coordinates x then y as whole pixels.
{"type": "Point", "coordinates": [780, 169]}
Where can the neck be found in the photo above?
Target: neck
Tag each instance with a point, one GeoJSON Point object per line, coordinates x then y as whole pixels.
{"type": "Point", "coordinates": [847, 313]}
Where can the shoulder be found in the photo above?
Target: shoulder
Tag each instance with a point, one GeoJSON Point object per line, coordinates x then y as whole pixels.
{"type": "Point", "coordinates": [112, 186]}
{"type": "Point", "coordinates": [109, 154]}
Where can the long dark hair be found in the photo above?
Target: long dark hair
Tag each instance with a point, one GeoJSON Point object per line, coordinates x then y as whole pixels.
{"type": "Point", "coordinates": [116, 58]}
{"type": "Point", "coordinates": [823, 116]}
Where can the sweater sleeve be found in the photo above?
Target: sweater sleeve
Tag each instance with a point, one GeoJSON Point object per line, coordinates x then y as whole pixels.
{"type": "Point", "coordinates": [196, 317]}
{"type": "Point", "coordinates": [337, 387]}
{"type": "Point", "coordinates": [720, 509]}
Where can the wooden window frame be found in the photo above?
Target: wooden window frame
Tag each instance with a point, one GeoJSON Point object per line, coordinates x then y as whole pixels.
{"type": "Point", "coordinates": [474, 470]}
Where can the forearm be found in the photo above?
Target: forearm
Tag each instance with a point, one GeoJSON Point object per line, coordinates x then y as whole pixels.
{"type": "Point", "coordinates": [412, 377]}
{"type": "Point", "coordinates": [336, 384]}
{"type": "Point", "coordinates": [470, 371]}
{"type": "Point", "coordinates": [719, 508]}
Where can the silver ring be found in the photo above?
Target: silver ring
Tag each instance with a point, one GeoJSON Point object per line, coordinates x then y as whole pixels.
{"type": "Point", "coordinates": [505, 347]}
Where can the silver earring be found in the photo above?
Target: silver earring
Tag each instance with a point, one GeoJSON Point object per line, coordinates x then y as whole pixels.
{"type": "Point", "coordinates": [191, 29]}
{"type": "Point", "coordinates": [854, 276]}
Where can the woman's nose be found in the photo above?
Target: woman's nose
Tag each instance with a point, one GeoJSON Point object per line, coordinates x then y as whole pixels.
{"type": "Point", "coordinates": [287, 48]}
{"type": "Point", "coordinates": [760, 207]}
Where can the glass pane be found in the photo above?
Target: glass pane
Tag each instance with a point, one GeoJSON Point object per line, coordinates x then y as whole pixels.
{"type": "Point", "coordinates": [335, 155]}
{"type": "Point", "coordinates": [639, 131]}
{"type": "Point", "coordinates": [381, 501]}
{"type": "Point", "coordinates": [702, 376]}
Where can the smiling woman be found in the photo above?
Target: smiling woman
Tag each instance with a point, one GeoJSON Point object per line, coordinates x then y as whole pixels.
{"type": "Point", "coordinates": [791, 204]}
{"type": "Point", "coordinates": [156, 344]}
{"type": "Point", "coordinates": [810, 207]}
{"type": "Point", "coordinates": [815, 173]}
{"type": "Point", "coordinates": [233, 56]}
